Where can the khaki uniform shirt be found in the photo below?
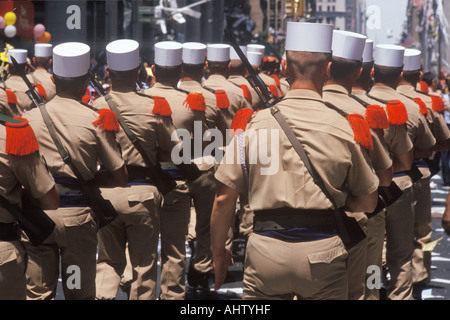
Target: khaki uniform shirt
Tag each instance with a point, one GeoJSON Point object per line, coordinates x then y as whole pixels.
{"type": "Point", "coordinates": [269, 81]}
{"type": "Point", "coordinates": [6, 108]}
{"type": "Point", "coordinates": [15, 171]}
{"type": "Point", "coordinates": [337, 95]}
{"type": "Point", "coordinates": [328, 140]}
{"type": "Point", "coordinates": [18, 86]}
{"type": "Point", "coordinates": [238, 81]}
{"type": "Point", "coordinates": [215, 117]}
{"type": "Point", "coordinates": [434, 118]}
{"type": "Point", "coordinates": [86, 144]}
{"type": "Point", "coordinates": [44, 78]}
{"type": "Point", "coordinates": [418, 130]}
{"type": "Point", "coordinates": [284, 84]}
{"type": "Point", "coordinates": [396, 136]}
{"type": "Point", "coordinates": [152, 130]}
{"type": "Point", "coordinates": [183, 117]}
{"type": "Point", "coordinates": [235, 95]}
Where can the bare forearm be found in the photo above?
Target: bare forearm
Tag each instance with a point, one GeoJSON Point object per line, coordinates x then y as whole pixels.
{"type": "Point", "coordinates": [366, 203]}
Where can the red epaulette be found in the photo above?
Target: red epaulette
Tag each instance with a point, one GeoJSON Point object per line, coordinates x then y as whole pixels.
{"type": "Point", "coordinates": [422, 106]}
{"type": "Point", "coordinates": [273, 90]}
{"type": "Point", "coordinates": [107, 120]}
{"type": "Point", "coordinates": [40, 89]}
{"type": "Point", "coordinates": [277, 80]}
{"type": "Point", "coordinates": [20, 138]}
{"type": "Point", "coordinates": [361, 130]}
{"type": "Point", "coordinates": [376, 117]}
{"type": "Point", "coordinates": [396, 112]}
{"type": "Point", "coordinates": [11, 96]}
{"type": "Point", "coordinates": [222, 101]}
{"type": "Point", "coordinates": [161, 107]}
{"type": "Point", "coordinates": [86, 99]}
{"type": "Point", "coordinates": [240, 120]}
{"type": "Point", "coordinates": [424, 86]}
{"type": "Point", "coordinates": [195, 101]}
{"type": "Point", "coordinates": [437, 103]}
{"type": "Point", "coordinates": [246, 92]}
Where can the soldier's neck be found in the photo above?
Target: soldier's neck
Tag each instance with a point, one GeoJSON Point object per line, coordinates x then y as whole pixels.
{"type": "Point", "coordinates": [346, 84]}
{"type": "Point", "coordinates": [123, 86]}
{"type": "Point", "coordinates": [191, 78]}
{"type": "Point", "coordinates": [306, 85]}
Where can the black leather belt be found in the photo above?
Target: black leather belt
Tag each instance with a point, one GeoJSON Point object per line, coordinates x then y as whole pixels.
{"type": "Point", "coordinates": [289, 218]}
{"type": "Point", "coordinates": [9, 232]}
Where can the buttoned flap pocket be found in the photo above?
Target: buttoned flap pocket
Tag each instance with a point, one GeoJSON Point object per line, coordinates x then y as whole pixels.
{"type": "Point", "coordinates": [78, 220]}
{"type": "Point", "coordinates": [7, 255]}
{"type": "Point", "coordinates": [327, 256]}
{"type": "Point", "coordinates": [140, 197]}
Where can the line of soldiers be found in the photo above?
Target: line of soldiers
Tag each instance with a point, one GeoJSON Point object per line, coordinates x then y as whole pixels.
{"type": "Point", "coordinates": [362, 137]}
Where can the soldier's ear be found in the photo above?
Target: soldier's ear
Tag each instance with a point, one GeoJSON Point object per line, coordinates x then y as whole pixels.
{"type": "Point", "coordinates": [107, 71]}
{"type": "Point", "coordinates": [284, 66]}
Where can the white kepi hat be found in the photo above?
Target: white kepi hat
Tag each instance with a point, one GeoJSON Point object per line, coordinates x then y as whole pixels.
{"type": "Point", "coordinates": [19, 54]}
{"type": "Point", "coordinates": [194, 53]}
{"type": "Point", "coordinates": [389, 55]}
{"type": "Point", "coordinates": [368, 51]}
{"type": "Point", "coordinates": [43, 50]}
{"type": "Point", "coordinates": [168, 53]}
{"type": "Point", "coordinates": [348, 45]}
{"type": "Point", "coordinates": [411, 60]}
{"type": "Point", "coordinates": [234, 55]}
{"type": "Point", "coordinates": [309, 37]}
{"type": "Point", "coordinates": [254, 58]}
{"type": "Point", "coordinates": [123, 55]}
{"type": "Point", "coordinates": [256, 48]}
{"type": "Point", "coordinates": [219, 52]}
{"type": "Point", "coordinates": [71, 59]}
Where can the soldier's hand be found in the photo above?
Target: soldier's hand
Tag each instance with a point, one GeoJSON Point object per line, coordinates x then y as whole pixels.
{"type": "Point", "coordinates": [221, 263]}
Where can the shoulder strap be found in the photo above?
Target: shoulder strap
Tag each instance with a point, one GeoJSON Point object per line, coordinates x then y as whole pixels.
{"type": "Point", "coordinates": [378, 99]}
{"type": "Point", "coordinates": [104, 212]}
{"type": "Point", "coordinates": [312, 171]}
{"type": "Point", "coordinates": [164, 183]}
{"type": "Point", "coordinates": [361, 101]}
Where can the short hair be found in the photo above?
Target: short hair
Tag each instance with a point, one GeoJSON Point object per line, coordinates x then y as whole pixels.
{"type": "Point", "coordinates": [167, 74]}
{"type": "Point", "coordinates": [129, 75]}
{"type": "Point", "coordinates": [305, 65]}
{"type": "Point", "coordinates": [365, 75]}
{"type": "Point", "coordinates": [411, 76]}
{"type": "Point", "coordinates": [43, 62]}
{"type": "Point", "coordinates": [76, 85]}
{"type": "Point", "coordinates": [220, 67]}
{"type": "Point", "coordinates": [17, 69]}
{"type": "Point", "coordinates": [386, 75]}
{"type": "Point", "coordinates": [341, 68]}
{"type": "Point", "coordinates": [428, 77]}
{"type": "Point", "coordinates": [194, 70]}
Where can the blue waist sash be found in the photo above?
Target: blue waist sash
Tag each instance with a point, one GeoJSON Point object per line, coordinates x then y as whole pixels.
{"type": "Point", "coordinates": [421, 163]}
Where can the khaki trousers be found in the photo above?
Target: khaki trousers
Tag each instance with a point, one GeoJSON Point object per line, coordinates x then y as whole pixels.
{"type": "Point", "coordinates": [174, 222]}
{"type": "Point", "coordinates": [140, 233]}
{"type": "Point", "coordinates": [399, 246]}
{"type": "Point", "coordinates": [421, 261]}
{"type": "Point", "coordinates": [203, 191]}
{"type": "Point", "coordinates": [376, 230]}
{"type": "Point", "coordinates": [74, 241]}
{"type": "Point", "coordinates": [12, 271]}
{"type": "Point", "coordinates": [276, 269]}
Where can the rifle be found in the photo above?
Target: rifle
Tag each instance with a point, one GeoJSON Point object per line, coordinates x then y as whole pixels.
{"type": "Point", "coordinates": [277, 55]}
{"type": "Point", "coordinates": [96, 85]}
{"type": "Point", "coordinates": [255, 81]}
{"type": "Point", "coordinates": [34, 96]}
{"type": "Point", "coordinates": [103, 210]}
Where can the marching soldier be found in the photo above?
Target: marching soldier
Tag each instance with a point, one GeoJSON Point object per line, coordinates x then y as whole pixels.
{"type": "Point", "coordinates": [237, 77]}
{"type": "Point", "coordinates": [43, 60]}
{"type": "Point", "coordinates": [21, 166]}
{"type": "Point", "coordinates": [433, 112]}
{"type": "Point", "coordinates": [400, 215]}
{"type": "Point", "coordinates": [280, 261]}
{"type": "Point", "coordinates": [218, 66]}
{"type": "Point", "coordinates": [139, 203]}
{"type": "Point", "coordinates": [88, 141]}
{"type": "Point", "coordinates": [203, 189]}
{"type": "Point", "coordinates": [346, 63]}
{"type": "Point", "coordinates": [14, 84]}
{"type": "Point", "coordinates": [272, 83]}
{"type": "Point", "coordinates": [400, 149]}
{"type": "Point", "coordinates": [188, 113]}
